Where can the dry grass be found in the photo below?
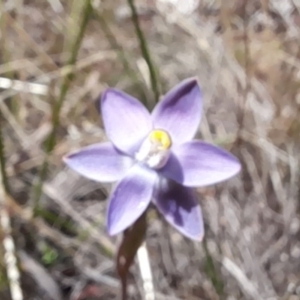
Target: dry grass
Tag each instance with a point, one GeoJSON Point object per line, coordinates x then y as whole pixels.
{"type": "Point", "coordinates": [246, 56]}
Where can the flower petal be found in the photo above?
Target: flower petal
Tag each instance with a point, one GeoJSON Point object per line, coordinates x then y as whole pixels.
{"type": "Point", "coordinates": [179, 113]}
{"type": "Point", "coordinates": [197, 163]}
{"type": "Point", "coordinates": [179, 205]}
{"type": "Point", "coordinates": [130, 198]}
{"type": "Point", "coordinates": [127, 122]}
{"type": "Point", "coordinates": [100, 162]}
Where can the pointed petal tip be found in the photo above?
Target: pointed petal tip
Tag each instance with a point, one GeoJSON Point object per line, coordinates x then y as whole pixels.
{"type": "Point", "coordinates": [235, 168]}
{"type": "Point", "coordinates": [191, 81]}
{"type": "Point", "coordinates": [111, 231]}
{"type": "Point", "coordinates": [200, 237]}
{"type": "Point", "coordinates": [106, 93]}
{"type": "Point", "coordinates": [111, 228]}
{"type": "Point", "coordinates": [196, 238]}
{"type": "Point", "coordinates": [67, 157]}
{"type": "Point", "coordinates": [238, 166]}
{"type": "Point", "coordinates": [109, 90]}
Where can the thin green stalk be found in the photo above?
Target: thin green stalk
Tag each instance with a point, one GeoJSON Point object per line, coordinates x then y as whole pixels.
{"type": "Point", "coordinates": [115, 45]}
{"type": "Point", "coordinates": [51, 141]}
{"type": "Point", "coordinates": [144, 49]}
{"type": "Point", "coordinates": [2, 159]}
{"type": "Point", "coordinates": [129, 70]}
{"type": "Point", "coordinates": [212, 272]}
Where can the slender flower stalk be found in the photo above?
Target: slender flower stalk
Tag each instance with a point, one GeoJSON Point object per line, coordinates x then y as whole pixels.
{"type": "Point", "coordinates": [154, 159]}
{"type": "Point", "coordinates": [144, 49]}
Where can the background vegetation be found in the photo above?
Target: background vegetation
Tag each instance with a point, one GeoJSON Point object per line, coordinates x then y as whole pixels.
{"type": "Point", "coordinates": [58, 56]}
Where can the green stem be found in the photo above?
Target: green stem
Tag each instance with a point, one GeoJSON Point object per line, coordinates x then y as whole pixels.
{"type": "Point", "coordinates": [145, 50]}
{"type": "Point", "coordinates": [212, 272]}
{"type": "Point", "coordinates": [51, 141]}
{"type": "Point", "coordinates": [114, 44]}
{"type": "Point", "coordinates": [124, 57]}
{"type": "Point", "coordinates": [2, 158]}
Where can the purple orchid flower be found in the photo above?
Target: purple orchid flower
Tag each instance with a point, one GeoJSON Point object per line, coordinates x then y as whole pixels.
{"type": "Point", "coordinates": [153, 158]}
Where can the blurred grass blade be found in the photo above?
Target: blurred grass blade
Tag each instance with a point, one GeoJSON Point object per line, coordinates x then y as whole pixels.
{"type": "Point", "coordinates": [23, 86]}
{"type": "Point", "coordinates": [41, 276]}
{"type": "Point", "coordinates": [145, 51]}
{"type": "Point", "coordinates": [123, 56]}
{"type": "Point", "coordinates": [51, 141]}
{"type": "Point", "coordinates": [4, 180]}
{"type": "Point", "coordinates": [212, 273]}
{"type": "Point", "coordinates": [10, 259]}
{"type": "Point", "coordinates": [132, 240]}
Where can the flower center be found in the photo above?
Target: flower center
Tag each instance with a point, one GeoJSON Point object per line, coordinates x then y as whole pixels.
{"type": "Point", "coordinates": [155, 150]}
